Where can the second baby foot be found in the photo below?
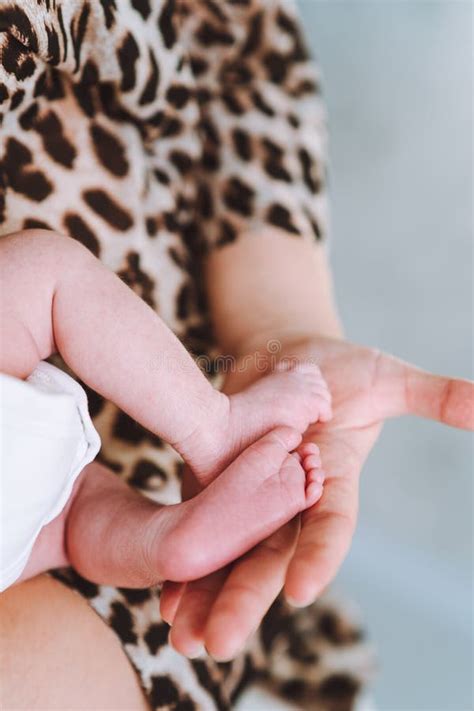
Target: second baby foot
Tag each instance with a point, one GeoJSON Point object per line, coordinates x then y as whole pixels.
{"type": "Point", "coordinates": [259, 492]}
{"type": "Point", "coordinates": [293, 396]}
{"type": "Point", "coordinates": [131, 542]}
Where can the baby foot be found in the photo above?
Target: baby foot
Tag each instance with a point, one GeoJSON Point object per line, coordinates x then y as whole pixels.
{"type": "Point", "coordinates": [259, 492]}
{"type": "Point", "coordinates": [293, 396]}
{"type": "Point", "coordinates": [133, 543]}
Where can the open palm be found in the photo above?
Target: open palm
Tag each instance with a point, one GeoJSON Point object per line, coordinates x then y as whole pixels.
{"type": "Point", "coordinates": [367, 386]}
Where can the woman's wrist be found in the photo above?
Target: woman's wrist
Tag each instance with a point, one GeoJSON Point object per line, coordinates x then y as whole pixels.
{"type": "Point", "coordinates": [270, 286]}
{"type": "Point", "coordinates": [261, 357]}
{"type": "Point", "coordinates": [277, 343]}
{"type": "Point", "coordinates": [285, 339]}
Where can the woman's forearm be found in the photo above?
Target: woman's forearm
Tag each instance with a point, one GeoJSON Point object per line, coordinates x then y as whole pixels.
{"type": "Point", "coordinates": [270, 286]}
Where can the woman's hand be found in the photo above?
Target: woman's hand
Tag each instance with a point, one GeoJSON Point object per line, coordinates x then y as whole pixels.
{"type": "Point", "coordinates": [222, 610]}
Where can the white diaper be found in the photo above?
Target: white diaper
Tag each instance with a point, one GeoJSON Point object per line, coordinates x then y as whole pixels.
{"type": "Point", "coordinates": [46, 439]}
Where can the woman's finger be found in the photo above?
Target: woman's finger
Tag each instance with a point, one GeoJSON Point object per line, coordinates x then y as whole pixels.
{"type": "Point", "coordinates": [448, 400]}
{"type": "Point", "coordinates": [325, 539]}
{"type": "Point", "coordinates": [170, 597]}
{"type": "Point", "coordinates": [187, 632]}
{"type": "Point", "coordinates": [403, 389]}
{"type": "Point", "coordinates": [253, 584]}
{"type": "Point", "coordinates": [328, 526]}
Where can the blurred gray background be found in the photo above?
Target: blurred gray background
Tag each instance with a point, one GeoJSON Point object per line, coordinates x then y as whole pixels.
{"type": "Point", "coordinates": [398, 84]}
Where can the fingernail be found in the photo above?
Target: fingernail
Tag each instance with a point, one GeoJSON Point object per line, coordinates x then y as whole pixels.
{"type": "Point", "coordinates": [227, 657]}
{"type": "Point", "coordinates": [191, 652]}
{"type": "Point", "coordinates": [221, 660]}
{"type": "Point", "coordinates": [298, 603]}
{"type": "Point", "coordinates": [197, 652]}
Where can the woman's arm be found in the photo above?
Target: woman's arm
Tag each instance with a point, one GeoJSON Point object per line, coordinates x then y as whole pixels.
{"type": "Point", "coordinates": [367, 387]}
{"type": "Point", "coordinates": [270, 286]}
{"type": "Point", "coordinates": [263, 213]}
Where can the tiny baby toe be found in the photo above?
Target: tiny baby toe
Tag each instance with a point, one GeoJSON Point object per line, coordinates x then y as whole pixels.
{"type": "Point", "coordinates": [312, 461]}
{"type": "Point", "coordinates": [308, 448]}
{"type": "Point", "coordinates": [319, 386]}
{"type": "Point", "coordinates": [321, 409]}
{"type": "Point", "coordinates": [326, 392]}
{"type": "Point", "coordinates": [313, 493]}
{"type": "Point", "coordinates": [316, 475]}
{"type": "Point", "coordinates": [322, 396]}
{"type": "Point", "coordinates": [297, 456]}
{"type": "Point", "coordinates": [318, 392]}
{"type": "Point", "coordinates": [325, 411]}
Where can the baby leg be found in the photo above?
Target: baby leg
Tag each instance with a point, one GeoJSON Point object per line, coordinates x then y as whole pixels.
{"type": "Point", "coordinates": [115, 536]}
{"type": "Point", "coordinates": [49, 550]}
{"type": "Point", "coordinates": [57, 297]}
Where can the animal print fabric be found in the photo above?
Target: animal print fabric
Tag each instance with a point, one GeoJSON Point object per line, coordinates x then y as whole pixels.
{"type": "Point", "coordinates": [153, 131]}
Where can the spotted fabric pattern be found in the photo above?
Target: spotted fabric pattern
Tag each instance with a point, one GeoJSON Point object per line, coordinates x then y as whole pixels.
{"type": "Point", "coordinates": [154, 131]}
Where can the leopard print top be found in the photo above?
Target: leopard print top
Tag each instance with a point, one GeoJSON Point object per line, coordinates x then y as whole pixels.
{"type": "Point", "coordinates": [153, 131]}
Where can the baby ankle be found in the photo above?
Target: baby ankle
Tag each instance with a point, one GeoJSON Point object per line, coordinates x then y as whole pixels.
{"type": "Point", "coordinates": [205, 443]}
